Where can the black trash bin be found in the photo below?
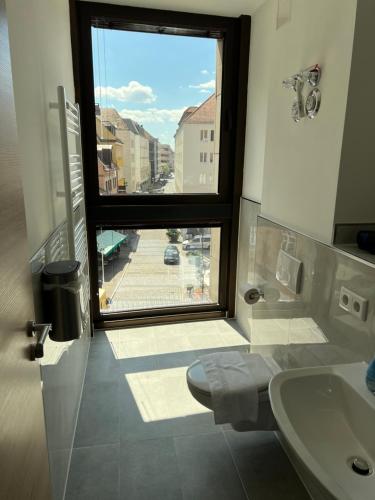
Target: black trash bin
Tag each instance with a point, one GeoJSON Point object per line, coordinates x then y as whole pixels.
{"type": "Point", "coordinates": [62, 299]}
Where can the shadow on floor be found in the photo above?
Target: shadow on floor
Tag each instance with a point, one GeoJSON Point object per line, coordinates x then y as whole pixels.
{"type": "Point", "coordinates": [141, 435]}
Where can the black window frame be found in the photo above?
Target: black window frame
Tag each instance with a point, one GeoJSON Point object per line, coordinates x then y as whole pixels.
{"type": "Point", "coordinates": [167, 210]}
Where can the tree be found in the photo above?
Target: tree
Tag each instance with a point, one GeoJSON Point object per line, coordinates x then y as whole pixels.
{"type": "Point", "coordinates": [173, 235]}
{"type": "Point", "coordinates": [165, 169]}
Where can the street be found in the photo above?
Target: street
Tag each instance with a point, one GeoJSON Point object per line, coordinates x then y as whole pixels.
{"type": "Point", "coordinates": [139, 278]}
{"type": "Point", "coordinates": [170, 186]}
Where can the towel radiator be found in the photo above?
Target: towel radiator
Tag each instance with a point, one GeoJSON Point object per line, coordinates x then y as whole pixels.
{"type": "Point", "coordinates": [74, 193]}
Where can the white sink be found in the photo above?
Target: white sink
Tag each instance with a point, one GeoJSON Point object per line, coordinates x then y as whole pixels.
{"type": "Point", "coordinates": [327, 416]}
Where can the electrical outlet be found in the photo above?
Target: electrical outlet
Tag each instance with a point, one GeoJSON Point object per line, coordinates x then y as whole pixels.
{"type": "Point", "coordinates": [353, 303]}
{"type": "Point", "coordinates": [345, 301]}
{"type": "Point", "coordinates": [359, 307]}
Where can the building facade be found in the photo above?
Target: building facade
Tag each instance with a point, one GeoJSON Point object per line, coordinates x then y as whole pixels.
{"type": "Point", "coordinates": [166, 157]}
{"type": "Point", "coordinates": [128, 138]}
{"type": "Point", "coordinates": [142, 156]}
{"type": "Point", "coordinates": [136, 150]}
{"type": "Point", "coordinates": [110, 158]}
{"type": "Point", "coordinates": [196, 164]}
{"type": "Point", "coordinates": [153, 144]}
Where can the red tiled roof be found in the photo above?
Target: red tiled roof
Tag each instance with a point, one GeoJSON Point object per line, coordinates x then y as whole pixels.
{"type": "Point", "coordinates": [205, 113]}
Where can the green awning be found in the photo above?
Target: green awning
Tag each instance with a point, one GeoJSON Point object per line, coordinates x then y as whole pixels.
{"type": "Point", "coordinates": [109, 241]}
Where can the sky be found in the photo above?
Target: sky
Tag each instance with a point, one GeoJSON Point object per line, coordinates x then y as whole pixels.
{"type": "Point", "coordinates": [152, 78]}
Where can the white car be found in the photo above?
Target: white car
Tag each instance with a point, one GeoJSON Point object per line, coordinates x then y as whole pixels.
{"type": "Point", "coordinates": [197, 243]}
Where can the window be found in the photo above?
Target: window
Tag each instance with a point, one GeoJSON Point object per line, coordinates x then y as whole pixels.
{"type": "Point", "coordinates": [204, 135]}
{"type": "Point", "coordinates": [162, 112]}
{"type": "Point", "coordinates": [154, 268]}
{"type": "Point", "coordinates": [202, 179]}
{"type": "Point", "coordinates": [203, 157]}
{"type": "Point", "coordinates": [153, 120]}
{"type": "Point", "coordinates": [105, 155]}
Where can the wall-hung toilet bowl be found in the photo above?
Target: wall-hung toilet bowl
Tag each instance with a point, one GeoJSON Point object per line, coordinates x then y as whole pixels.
{"type": "Point", "coordinates": [200, 389]}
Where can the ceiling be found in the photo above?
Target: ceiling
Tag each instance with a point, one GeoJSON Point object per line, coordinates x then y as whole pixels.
{"type": "Point", "coordinates": [215, 7]}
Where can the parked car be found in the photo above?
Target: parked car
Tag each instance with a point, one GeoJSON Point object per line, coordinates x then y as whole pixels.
{"type": "Point", "coordinates": [198, 242]}
{"type": "Point", "coordinates": [171, 255]}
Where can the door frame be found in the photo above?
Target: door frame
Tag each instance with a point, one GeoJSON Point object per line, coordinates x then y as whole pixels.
{"type": "Point", "coordinates": [23, 440]}
{"type": "Point", "coordinates": [189, 210]}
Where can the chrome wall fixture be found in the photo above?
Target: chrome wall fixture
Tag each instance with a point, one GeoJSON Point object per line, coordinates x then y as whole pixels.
{"type": "Point", "coordinates": [305, 105]}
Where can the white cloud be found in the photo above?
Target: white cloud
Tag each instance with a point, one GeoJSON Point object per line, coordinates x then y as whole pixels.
{"type": "Point", "coordinates": [204, 72]}
{"type": "Point", "coordinates": [133, 92]}
{"type": "Point", "coordinates": [153, 115]}
{"type": "Point", "coordinates": [204, 91]}
{"type": "Point", "coordinates": [205, 86]}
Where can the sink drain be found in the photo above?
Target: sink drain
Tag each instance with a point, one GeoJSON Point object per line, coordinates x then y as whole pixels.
{"type": "Point", "coordinates": [360, 466]}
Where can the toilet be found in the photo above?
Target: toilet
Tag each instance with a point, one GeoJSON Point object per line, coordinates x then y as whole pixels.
{"type": "Point", "coordinates": [199, 388]}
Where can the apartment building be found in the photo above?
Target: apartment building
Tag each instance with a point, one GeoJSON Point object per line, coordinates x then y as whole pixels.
{"type": "Point", "coordinates": [142, 155]}
{"type": "Point", "coordinates": [108, 182]}
{"type": "Point", "coordinates": [195, 160]}
{"type": "Point", "coordinates": [166, 156]}
{"type": "Point", "coordinates": [136, 150]}
{"type": "Point", "coordinates": [128, 138]}
{"type": "Point", "coordinates": [154, 147]}
{"type": "Point", "coordinates": [110, 158]}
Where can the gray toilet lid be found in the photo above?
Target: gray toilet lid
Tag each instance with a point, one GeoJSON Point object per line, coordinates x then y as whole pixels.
{"type": "Point", "coordinates": [196, 376]}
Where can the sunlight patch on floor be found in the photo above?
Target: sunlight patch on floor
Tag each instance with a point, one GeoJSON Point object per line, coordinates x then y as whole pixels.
{"type": "Point", "coordinates": [157, 340]}
{"type": "Point", "coordinates": [163, 394]}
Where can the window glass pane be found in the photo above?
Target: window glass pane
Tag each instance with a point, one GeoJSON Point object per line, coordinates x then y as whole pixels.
{"type": "Point", "coordinates": [153, 268]}
{"type": "Point", "coordinates": [157, 103]}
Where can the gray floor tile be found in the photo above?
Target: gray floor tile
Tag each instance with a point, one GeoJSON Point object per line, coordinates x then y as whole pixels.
{"type": "Point", "coordinates": [105, 336]}
{"type": "Point", "coordinates": [59, 463]}
{"type": "Point", "coordinates": [176, 359]}
{"type": "Point", "coordinates": [133, 427]}
{"type": "Point", "coordinates": [263, 466]}
{"type": "Point", "coordinates": [206, 469]}
{"type": "Point", "coordinates": [98, 420]}
{"type": "Point", "coordinates": [129, 435]}
{"type": "Point", "coordinates": [148, 470]}
{"type": "Point", "coordinates": [101, 364]}
{"type": "Point", "coordinates": [134, 365]}
{"type": "Point", "coordinates": [94, 474]}
{"type": "Point", "coordinates": [194, 424]}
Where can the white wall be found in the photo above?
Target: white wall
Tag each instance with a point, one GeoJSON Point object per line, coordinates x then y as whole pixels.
{"type": "Point", "coordinates": [301, 161]}
{"type": "Point", "coordinates": [261, 45]}
{"type": "Point", "coordinates": [39, 33]}
{"type": "Point", "coordinates": [41, 59]}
